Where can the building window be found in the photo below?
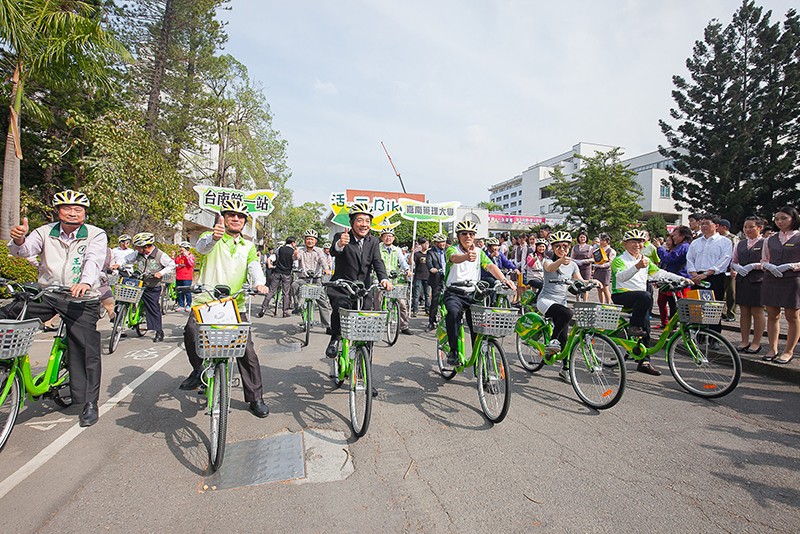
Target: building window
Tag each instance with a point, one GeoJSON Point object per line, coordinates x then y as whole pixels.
{"type": "Point", "coordinates": [513, 194]}
{"type": "Point", "coordinates": [666, 191]}
{"type": "Point", "coordinates": [545, 192]}
{"type": "Point", "coordinates": [542, 209]}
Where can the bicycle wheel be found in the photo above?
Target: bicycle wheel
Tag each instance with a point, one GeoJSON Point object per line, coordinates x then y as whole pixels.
{"type": "Point", "coordinates": [219, 416]}
{"type": "Point", "coordinates": [162, 299]}
{"type": "Point", "coordinates": [445, 370]}
{"type": "Point", "coordinates": [308, 316]}
{"type": "Point", "coordinates": [10, 407]}
{"type": "Point", "coordinates": [597, 383]}
{"type": "Point", "coordinates": [141, 326]}
{"type": "Point", "coordinates": [62, 382]}
{"type": "Point", "coordinates": [116, 330]}
{"type": "Point", "coordinates": [392, 322]}
{"type": "Point", "coordinates": [335, 372]}
{"type": "Point", "coordinates": [494, 382]}
{"type": "Point", "coordinates": [361, 391]}
{"type": "Point", "coordinates": [704, 363]}
{"type": "Point", "coordinates": [529, 357]}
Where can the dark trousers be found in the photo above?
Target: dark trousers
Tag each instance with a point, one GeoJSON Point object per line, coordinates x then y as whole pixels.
{"type": "Point", "coordinates": [249, 368]}
{"type": "Point", "coordinates": [83, 340]}
{"type": "Point", "coordinates": [152, 307]}
{"type": "Point", "coordinates": [717, 282]}
{"type": "Point", "coordinates": [455, 304]}
{"type": "Point", "coordinates": [640, 303]}
{"type": "Point", "coordinates": [420, 289]}
{"type": "Point", "coordinates": [730, 298]}
{"type": "Point", "coordinates": [285, 281]}
{"type": "Point", "coordinates": [436, 283]}
{"type": "Point", "coordinates": [339, 299]}
{"type": "Point", "coordinates": [561, 316]}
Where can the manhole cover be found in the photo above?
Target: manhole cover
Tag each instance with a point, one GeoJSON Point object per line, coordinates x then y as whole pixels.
{"type": "Point", "coordinates": [249, 463]}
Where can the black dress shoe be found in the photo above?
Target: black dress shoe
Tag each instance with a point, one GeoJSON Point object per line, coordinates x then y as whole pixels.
{"type": "Point", "coordinates": [260, 313]}
{"type": "Point", "coordinates": [327, 330]}
{"type": "Point", "coordinates": [89, 415]}
{"type": "Point", "coordinates": [406, 332]}
{"type": "Point", "coordinates": [259, 408]}
{"type": "Point", "coordinates": [374, 392]}
{"type": "Point", "coordinates": [647, 368]}
{"type": "Point", "coordinates": [159, 336]}
{"type": "Point", "coordinates": [332, 350]}
{"type": "Point", "coordinates": [192, 381]}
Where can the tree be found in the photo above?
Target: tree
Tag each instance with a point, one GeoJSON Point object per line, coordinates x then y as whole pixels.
{"type": "Point", "coordinates": [296, 220]}
{"type": "Point", "coordinates": [493, 207]}
{"type": "Point", "coordinates": [48, 42]}
{"type": "Point", "coordinates": [656, 226]}
{"type": "Point", "coordinates": [736, 138]}
{"type": "Point", "coordinates": [601, 196]}
{"type": "Point", "coordinates": [404, 231]}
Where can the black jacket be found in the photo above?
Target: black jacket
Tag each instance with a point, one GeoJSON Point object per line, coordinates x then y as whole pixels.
{"type": "Point", "coordinates": [354, 263]}
{"type": "Point", "coordinates": [434, 263]}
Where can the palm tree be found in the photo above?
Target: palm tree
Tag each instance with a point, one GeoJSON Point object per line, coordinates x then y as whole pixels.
{"type": "Point", "coordinates": [493, 207]}
{"type": "Point", "coordinates": [48, 42]}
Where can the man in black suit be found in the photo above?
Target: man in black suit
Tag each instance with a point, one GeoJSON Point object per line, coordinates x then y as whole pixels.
{"type": "Point", "coordinates": [357, 255]}
{"type": "Point", "coordinates": [436, 265]}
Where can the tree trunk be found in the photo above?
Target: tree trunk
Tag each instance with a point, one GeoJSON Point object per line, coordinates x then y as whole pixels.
{"type": "Point", "coordinates": [159, 68]}
{"type": "Point", "coordinates": [10, 201]}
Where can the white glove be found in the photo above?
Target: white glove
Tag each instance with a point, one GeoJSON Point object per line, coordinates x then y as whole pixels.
{"type": "Point", "coordinates": [773, 269]}
{"type": "Point", "coordinates": [739, 269]}
{"type": "Point", "coordinates": [785, 267]}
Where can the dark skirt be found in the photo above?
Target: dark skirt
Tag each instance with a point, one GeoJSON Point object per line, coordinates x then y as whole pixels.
{"type": "Point", "coordinates": [603, 275]}
{"type": "Point", "coordinates": [780, 292]}
{"type": "Point", "coordinates": [748, 293]}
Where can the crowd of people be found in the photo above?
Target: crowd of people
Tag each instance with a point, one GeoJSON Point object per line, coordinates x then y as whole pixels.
{"type": "Point", "coordinates": [758, 271]}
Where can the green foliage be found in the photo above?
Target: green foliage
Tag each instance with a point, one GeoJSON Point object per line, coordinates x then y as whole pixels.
{"type": "Point", "coordinates": [493, 207]}
{"type": "Point", "coordinates": [656, 226]}
{"type": "Point", "coordinates": [735, 142]}
{"type": "Point", "coordinates": [14, 268]}
{"type": "Point", "coordinates": [602, 196]}
{"type": "Point", "coordinates": [295, 220]}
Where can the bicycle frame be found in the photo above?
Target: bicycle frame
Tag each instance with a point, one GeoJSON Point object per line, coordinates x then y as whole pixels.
{"type": "Point", "coordinates": [636, 349]}
{"type": "Point", "coordinates": [36, 386]}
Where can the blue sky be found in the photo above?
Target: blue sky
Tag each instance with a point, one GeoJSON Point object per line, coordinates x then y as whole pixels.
{"type": "Point", "coordinates": [462, 93]}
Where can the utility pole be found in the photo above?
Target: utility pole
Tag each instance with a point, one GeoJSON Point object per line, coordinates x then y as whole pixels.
{"type": "Point", "coordinates": [393, 167]}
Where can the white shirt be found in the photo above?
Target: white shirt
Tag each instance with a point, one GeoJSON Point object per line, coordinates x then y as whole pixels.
{"type": "Point", "coordinates": [704, 254]}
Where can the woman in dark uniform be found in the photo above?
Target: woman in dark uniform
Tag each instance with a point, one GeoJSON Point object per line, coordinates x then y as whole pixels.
{"type": "Point", "coordinates": [746, 264]}
{"type": "Point", "coordinates": [780, 260]}
{"type": "Point", "coordinates": [602, 269]}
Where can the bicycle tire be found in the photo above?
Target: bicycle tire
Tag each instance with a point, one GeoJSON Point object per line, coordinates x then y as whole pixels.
{"type": "Point", "coordinates": [141, 326]}
{"type": "Point", "coordinates": [445, 370]}
{"type": "Point", "coordinates": [392, 322]}
{"type": "Point", "coordinates": [361, 392]}
{"type": "Point", "coordinates": [597, 384]}
{"type": "Point", "coordinates": [10, 407]}
{"type": "Point", "coordinates": [529, 357]}
{"type": "Point", "coordinates": [336, 368]}
{"type": "Point", "coordinates": [62, 382]}
{"type": "Point", "coordinates": [494, 381]}
{"type": "Point", "coordinates": [219, 416]}
{"type": "Point", "coordinates": [307, 320]}
{"type": "Point", "coordinates": [162, 300]}
{"type": "Point", "coordinates": [116, 329]}
{"type": "Point", "coordinates": [714, 373]}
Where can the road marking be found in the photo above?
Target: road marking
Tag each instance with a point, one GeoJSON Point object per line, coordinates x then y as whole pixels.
{"type": "Point", "coordinates": [73, 432]}
{"type": "Point", "coordinates": [47, 425]}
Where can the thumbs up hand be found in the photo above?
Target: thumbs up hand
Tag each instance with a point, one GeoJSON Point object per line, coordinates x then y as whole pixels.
{"type": "Point", "coordinates": [473, 254]}
{"type": "Point", "coordinates": [19, 232]}
{"type": "Point", "coordinates": [344, 239]}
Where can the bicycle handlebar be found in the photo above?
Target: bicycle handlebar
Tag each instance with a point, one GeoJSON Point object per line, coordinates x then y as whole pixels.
{"type": "Point", "coordinates": [576, 287]}
{"type": "Point", "coordinates": [355, 289]}
{"type": "Point", "coordinates": [217, 292]}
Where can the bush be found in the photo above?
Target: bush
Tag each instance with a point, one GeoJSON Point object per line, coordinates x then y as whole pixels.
{"type": "Point", "coordinates": [14, 268]}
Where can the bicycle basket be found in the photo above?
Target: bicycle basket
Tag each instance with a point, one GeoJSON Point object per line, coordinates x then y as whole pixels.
{"type": "Point", "coordinates": [16, 337]}
{"type": "Point", "coordinates": [692, 311]}
{"type": "Point", "coordinates": [398, 292]}
{"type": "Point", "coordinates": [311, 291]}
{"type": "Point", "coordinates": [126, 293]}
{"type": "Point", "coordinates": [496, 322]}
{"type": "Point", "coordinates": [597, 316]}
{"type": "Point", "coordinates": [359, 325]}
{"type": "Point", "coordinates": [221, 340]}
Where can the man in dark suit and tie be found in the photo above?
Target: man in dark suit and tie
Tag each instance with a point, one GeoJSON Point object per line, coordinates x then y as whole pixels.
{"type": "Point", "coordinates": [357, 254]}
{"type": "Point", "coordinates": [436, 266]}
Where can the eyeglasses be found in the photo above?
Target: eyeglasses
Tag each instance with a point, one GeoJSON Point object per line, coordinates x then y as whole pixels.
{"type": "Point", "coordinates": [467, 234]}
{"type": "Point", "coordinates": [236, 215]}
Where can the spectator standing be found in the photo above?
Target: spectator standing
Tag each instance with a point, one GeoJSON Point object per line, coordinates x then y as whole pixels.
{"type": "Point", "coordinates": [708, 258]}
{"type": "Point", "coordinates": [436, 267]}
{"type": "Point", "coordinates": [730, 290]}
{"type": "Point", "coordinates": [582, 256]}
{"type": "Point", "coordinates": [281, 276]}
{"type": "Point", "coordinates": [421, 275]}
{"type": "Point", "coordinates": [673, 260]}
{"type": "Point", "coordinates": [184, 274]}
{"type": "Point", "coordinates": [781, 286]}
{"type": "Point", "coordinates": [533, 274]}
{"type": "Point", "coordinates": [748, 276]}
{"type": "Point", "coordinates": [603, 255]}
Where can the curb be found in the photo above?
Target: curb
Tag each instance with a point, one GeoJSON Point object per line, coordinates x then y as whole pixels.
{"type": "Point", "coordinates": [785, 373]}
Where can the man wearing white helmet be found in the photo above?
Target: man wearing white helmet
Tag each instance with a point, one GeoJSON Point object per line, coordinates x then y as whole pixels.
{"type": "Point", "coordinates": [394, 260]}
{"type": "Point", "coordinates": [71, 253]}
{"type": "Point", "coordinates": [311, 259]}
{"type": "Point", "coordinates": [154, 264]}
{"type": "Point", "coordinates": [121, 252]}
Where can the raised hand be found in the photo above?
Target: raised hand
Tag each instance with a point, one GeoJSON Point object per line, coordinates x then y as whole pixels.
{"type": "Point", "coordinates": [19, 232]}
{"type": "Point", "coordinates": [472, 254]}
{"type": "Point", "coordinates": [344, 239]}
{"type": "Point", "coordinates": [219, 231]}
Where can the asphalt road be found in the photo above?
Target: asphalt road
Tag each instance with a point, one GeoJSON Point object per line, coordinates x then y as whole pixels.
{"type": "Point", "coordinates": [659, 461]}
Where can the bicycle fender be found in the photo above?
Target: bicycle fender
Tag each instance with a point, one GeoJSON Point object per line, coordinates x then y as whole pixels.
{"type": "Point", "coordinates": [530, 325]}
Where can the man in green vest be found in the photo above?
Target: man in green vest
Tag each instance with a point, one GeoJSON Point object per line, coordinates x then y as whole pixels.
{"type": "Point", "coordinates": [229, 261]}
{"type": "Point", "coordinates": [395, 261]}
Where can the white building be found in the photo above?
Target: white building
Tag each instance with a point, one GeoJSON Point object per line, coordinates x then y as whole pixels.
{"type": "Point", "coordinates": [528, 194]}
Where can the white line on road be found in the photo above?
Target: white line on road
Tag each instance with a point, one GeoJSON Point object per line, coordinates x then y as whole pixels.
{"type": "Point", "coordinates": [63, 440]}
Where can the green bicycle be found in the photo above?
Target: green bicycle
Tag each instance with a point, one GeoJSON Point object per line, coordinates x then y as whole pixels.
{"type": "Point", "coordinates": [391, 305]}
{"type": "Point", "coordinates": [596, 366]}
{"type": "Point", "coordinates": [309, 294]}
{"type": "Point", "coordinates": [487, 360]}
{"type": "Point", "coordinates": [16, 379]}
{"type": "Point", "coordinates": [219, 345]}
{"type": "Point", "coordinates": [168, 297]}
{"type": "Point", "coordinates": [360, 329]}
{"type": "Point", "coordinates": [702, 361]}
{"type": "Point", "coordinates": [128, 308]}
